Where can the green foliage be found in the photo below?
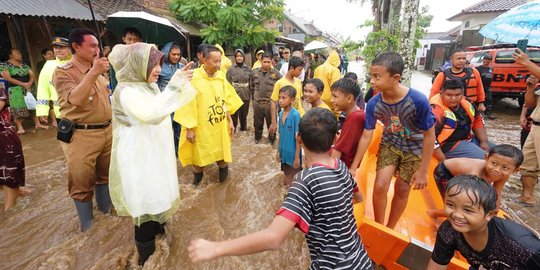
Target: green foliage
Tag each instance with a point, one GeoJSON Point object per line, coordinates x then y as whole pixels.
{"type": "Point", "coordinates": [380, 41]}
{"type": "Point", "coordinates": [231, 22]}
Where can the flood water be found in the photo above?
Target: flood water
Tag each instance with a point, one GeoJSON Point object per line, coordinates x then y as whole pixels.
{"type": "Point", "coordinates": [42, 230]}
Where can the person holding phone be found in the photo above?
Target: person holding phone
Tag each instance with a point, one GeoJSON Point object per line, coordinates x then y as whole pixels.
{"type": "Point", "coordinates": [530, 169]}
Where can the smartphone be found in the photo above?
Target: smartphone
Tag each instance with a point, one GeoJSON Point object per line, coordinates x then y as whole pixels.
{"type": "Point", "coordinates": [522, 44]}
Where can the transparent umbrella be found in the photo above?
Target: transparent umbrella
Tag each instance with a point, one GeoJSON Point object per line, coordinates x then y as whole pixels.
{"type": "Point", "coordinates": [521, 22]}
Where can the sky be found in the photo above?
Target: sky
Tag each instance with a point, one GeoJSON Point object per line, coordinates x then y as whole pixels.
{"type": "Point", "coordinates": [344, 18]}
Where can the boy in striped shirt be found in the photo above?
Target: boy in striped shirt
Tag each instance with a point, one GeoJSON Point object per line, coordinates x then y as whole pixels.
{"type": "Point", "coordinates": [319, 203]}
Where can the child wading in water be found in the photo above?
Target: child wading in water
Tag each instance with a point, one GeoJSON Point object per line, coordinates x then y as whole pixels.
{"type": "Point", "coordinates": [288, 148]}
{"type": "Point", "coordinates": [486, 241]}
{"type": "Point", "coordinates": [407, 141]}
{"type": "Point", "coordinates": [319, 203]}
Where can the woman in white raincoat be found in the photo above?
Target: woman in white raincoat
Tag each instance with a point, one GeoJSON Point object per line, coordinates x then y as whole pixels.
{"type": "Point", "coordinates": [143, 181]}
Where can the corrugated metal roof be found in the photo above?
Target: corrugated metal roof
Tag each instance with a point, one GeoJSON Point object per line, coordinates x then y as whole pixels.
{"type": "Point", "coordinates": [108, 7]}
{"type": "Point", "coordinates": [47, 8]}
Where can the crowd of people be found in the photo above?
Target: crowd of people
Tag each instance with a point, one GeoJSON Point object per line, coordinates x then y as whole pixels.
{"type": "Point", "coordinates": [107, 106]}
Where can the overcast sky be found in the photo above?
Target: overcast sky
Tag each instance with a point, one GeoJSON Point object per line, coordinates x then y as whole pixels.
{"type": "Point", "coordinates": [343, 17]}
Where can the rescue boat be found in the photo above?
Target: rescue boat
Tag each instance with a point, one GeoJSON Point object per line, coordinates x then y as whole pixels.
{"type": "Point", "coordinates": [410, 243]}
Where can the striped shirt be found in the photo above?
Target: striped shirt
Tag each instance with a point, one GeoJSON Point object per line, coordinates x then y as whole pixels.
{"type": "Point", "coordinates": [320, 203]}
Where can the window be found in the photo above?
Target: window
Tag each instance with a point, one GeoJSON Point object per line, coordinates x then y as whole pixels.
{"type": "Point", "coordinates": [477, 57]}
{"type": "Point", "coordinates": [505, 56]}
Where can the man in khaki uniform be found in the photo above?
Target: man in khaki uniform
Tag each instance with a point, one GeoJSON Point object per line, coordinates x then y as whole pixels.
{"type": "Point", "coordinates": [84, 99]}
{"type": "Point", "coordinates": [262, 85]}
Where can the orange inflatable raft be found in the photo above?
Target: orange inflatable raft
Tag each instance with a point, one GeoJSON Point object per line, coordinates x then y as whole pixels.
{"type": "Point", "coordinates": [409, 245]}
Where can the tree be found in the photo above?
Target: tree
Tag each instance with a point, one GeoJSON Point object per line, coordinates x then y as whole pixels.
{"type": "Point", "coordinates": [407, 38]}
{"type": "Point", "coordinates": [231, 22]}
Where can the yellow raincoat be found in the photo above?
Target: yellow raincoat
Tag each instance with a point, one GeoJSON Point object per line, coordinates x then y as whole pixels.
{"type": "Point", "coordinates": [257, 64]}
{"type": "Point", "coordinates": [45, 89]}
{"type": "Point", "coordinates": [207, 114]}
{"type": "Point", "coordinates": [328, 73]}
{"type": "Point", "coordinates": [225, 61]}
{"type": "Point", "coordinates": [143, 179]}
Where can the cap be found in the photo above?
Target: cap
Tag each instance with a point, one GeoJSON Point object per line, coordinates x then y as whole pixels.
{"type": "Point", "coordinates": [260, 51]}
{"type": "Point", "coordinates": [60, 41]}
{"type": "Point", "coordinates": [487, 56]}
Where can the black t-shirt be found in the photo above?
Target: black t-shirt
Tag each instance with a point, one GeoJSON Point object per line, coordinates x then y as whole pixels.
{"type": "Point", "coordinates": [509, 246]}
{"type": "Point", "coordinates": [486, 74]}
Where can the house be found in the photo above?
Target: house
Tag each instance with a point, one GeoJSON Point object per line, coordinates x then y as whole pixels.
{"type": "Point", "coordinates": [476, 16]}
{"type": "Point", "coordinates": [295, 28]}
{"type": "Point", "coordinates": [30, 25]}
{"type": "Point", "coordinates": [431, 45]}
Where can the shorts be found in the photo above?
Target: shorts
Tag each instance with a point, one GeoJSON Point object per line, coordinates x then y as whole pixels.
{"type": "Point", "coordinates": [442, 175]}
{"type": "Point", "coordinates": [406, 163]}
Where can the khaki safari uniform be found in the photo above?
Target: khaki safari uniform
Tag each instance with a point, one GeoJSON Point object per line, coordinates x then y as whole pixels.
{"type": "Point", "coordinates": [531, 148]}
{"type": "Point", "coordinates": [88, 154]}
{"type": "Point", "coordinates": [262, 86]}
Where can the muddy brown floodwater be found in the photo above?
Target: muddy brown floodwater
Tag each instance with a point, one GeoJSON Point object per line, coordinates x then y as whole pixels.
{"type": "Point", "coordinates": [41, 231]}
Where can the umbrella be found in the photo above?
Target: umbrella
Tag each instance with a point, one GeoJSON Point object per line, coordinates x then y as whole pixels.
{"type": "Point", "coordinates": [521, 22]}
{"type": "Point", "coordinates": [315, 45]}
{"type": "Point", "coordinates": [154, 29]}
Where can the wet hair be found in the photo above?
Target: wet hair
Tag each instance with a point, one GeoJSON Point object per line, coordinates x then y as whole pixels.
{"type": "Point", "coordinates": [77, 36]}
{"type": "Point", "coordinates": [456, 50]}
{"type": "Point", "coordinates": [44, 51]}
{"type": "Point", "coordinates": [202, 47]}
{"type": "Point", "coordinates": [317, 83]}
{"type": "Point", "coordinates": [452, 84]}
{"type": "Point", "coordinates": [209, 49]}
{"type": "Point", "coordinates": [266, 55]}
{"type": "Point", "coordinates": [317, 129]}
{"type": "Point", "coordinates": [295, 62]}
{"type": "Point", "coordinates": [351, 75]}
{"type": "Point", "coordinates": [133, 31]}
{"type": "Point", "coordinates": [479, 191]}
{"type": "Point", "coordinates": [507, 150]}
{"type": "Point", "coordinates": [346, 86]}
{"type": "Point", "coordinates": [392, 61]}
{"type": "Point", "coordinates": [291, 91]}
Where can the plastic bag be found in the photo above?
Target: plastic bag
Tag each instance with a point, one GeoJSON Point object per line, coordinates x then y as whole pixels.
{"type": "Point", "coordinates": [30, 101]}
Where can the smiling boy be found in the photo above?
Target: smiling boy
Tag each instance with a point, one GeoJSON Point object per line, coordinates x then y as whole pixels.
{"type": "Point", "coordinates": [486, 241]}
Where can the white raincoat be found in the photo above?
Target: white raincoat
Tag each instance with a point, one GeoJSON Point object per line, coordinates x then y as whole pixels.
{"type": "Point", "coordinates": [143, 180]}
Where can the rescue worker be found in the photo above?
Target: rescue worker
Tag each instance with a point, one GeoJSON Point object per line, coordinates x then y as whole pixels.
{"type": "Point", "coordinates": [238, 76]}
{"type": "Point", "coordinates": [206, 121]}
{"type": "Point", "coordinates": [84, 102]}
{"type": "Point", "coordinates": [486, 74]}
{"type": "Point", "coordinates": [262, 84]}
{"type": "Point", "coordinates": [470, 76]}
{"type": "Point", "coordinates": [455, 118]}
{"type": "Point", "coordinates": [328, 73]}
{"type": "Point", "coordinates": [46, 94]}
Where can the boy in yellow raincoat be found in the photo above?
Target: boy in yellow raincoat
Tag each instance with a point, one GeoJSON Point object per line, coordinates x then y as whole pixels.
{"type": "Point", "coordinates": [206, 121]}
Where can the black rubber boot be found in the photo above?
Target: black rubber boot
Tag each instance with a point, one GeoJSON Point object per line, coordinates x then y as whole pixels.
{"type": "Point", "coordinates": [85, 213]}
{"type": "Point", "coordinates": [223, 173]}
{"type": "Point", "coordinates": [145, 249]}
{"type": "Point", "coordinates": [197, 178]}
{"type": "Point", "coordinates": [103, 198]}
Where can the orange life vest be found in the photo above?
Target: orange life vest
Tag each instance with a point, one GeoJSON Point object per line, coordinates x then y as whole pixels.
{"type": "Point", "coordinates": [468, 79]}
{"type": "Point", "coordinates": [450, 119]}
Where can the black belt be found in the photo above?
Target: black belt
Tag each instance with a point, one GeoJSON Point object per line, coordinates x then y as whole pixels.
{"type": "Point", "coordinates": [536, 123]}
{"type": "Point", "coordinates": [86, 126]}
